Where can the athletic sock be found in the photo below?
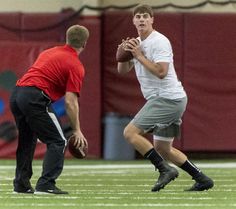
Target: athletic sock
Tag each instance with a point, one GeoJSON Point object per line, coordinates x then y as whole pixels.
{"type": "Point", "coordinates": [154, 157]}
{"type": "Point", "coordinates": [190, 168]}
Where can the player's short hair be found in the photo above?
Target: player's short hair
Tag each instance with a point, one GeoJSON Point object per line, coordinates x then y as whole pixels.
{"type": "Point", "coordinates": [143, 8]}
{"type": "Point", "coordinates": [76, 36]}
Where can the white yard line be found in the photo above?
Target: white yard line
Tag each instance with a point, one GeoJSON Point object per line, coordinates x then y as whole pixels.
{"type": "Point", "coordinates": [77, 205]}
{"type": "Point", "coordinates": [124, 166]}
{"type": "Point", "coordinates": [107, 198]}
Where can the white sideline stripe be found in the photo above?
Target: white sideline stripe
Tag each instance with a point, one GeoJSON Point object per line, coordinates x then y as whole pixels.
{"type": "Point", "coordinates": [127, 166]}
{"type": "Point", "coordinates": [98, 197]}
{"type": "Point", "coordinates": [77, 205]}
{"type": "Point", "coordinates": [35, 196]}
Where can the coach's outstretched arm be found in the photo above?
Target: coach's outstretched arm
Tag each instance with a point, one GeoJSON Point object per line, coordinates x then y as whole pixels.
{"type": "Point", "coordinates": [72, 110]}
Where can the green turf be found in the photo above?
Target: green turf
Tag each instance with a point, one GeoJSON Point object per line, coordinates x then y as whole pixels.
{"type": "Point", "coordinates": [96, 185]}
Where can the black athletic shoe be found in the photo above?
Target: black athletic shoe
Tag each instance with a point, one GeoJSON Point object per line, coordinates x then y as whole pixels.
{"type": "Point", "coordinates": [24, 190]}
{"type": "Point", "coordinates": [165, 177]}
{"type": "Point", "coordinates": [55, 190]}
{"type": "Point", "coordinates": [202, 183]}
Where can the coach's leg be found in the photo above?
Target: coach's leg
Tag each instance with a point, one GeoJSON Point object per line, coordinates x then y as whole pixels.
{"type": "Point", "coordinates": [25, 149]}
{"type": "Point", "coordinates": [46, 127]}
{"type": "Point", "coordinates": [165, 148]}
{"type": "Point", "coordinates": [49, 131]}
{"type": "Point", "coordinates": [24, 156]}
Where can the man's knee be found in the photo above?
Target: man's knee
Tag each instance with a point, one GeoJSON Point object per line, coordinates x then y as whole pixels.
{"type": "Point", "coordinates": [129, 133]}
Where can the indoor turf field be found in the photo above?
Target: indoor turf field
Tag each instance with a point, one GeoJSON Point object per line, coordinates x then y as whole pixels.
{"type": "Point", "coordinates": [121, 185]}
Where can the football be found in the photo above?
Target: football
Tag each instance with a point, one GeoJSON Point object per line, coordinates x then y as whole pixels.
{"type": "Point", "coordinates": [121, 54]}
{"type": "Point", "coordinates": [80, 152]}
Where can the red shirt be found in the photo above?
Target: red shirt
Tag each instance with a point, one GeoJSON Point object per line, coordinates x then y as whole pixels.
{"type": "Point", "coordinates": [56, 71]}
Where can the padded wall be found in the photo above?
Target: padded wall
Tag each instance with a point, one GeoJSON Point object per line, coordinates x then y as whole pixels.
{"type": "Point", "coordinates": [91, 95]}
{"type": "Point", "coordinates": [210, 72]}
{"type": "Point", "coordinates": [32, 21]}
{"type": "Point", "coordinates": [10, 20]}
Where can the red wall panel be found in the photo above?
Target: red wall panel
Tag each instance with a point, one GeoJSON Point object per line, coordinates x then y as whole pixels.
{"type": "Point", "coordinates": [90, 100]}
{"type": "Point", "coordinates": [172, 26]}
{"type": "Point", "coordinates": [35, 22]}
{"type": "Point", "coordinates": [209, 74]}
{"type": "Point", "coordinates": [8, 22]}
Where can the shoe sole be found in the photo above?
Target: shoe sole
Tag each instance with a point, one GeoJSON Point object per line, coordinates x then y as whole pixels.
{"type": "Point", "coordinates": [50, 193]}
{"type": "Point", "coordinates": [42, 193]}
{"type": "Point", "coordinates": [163, 186]}
{"type": "Point", "coordinates": [14, 192]}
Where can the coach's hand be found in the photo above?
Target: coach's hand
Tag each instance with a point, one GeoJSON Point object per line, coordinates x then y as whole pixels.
{"type": "Point", "coordinates": [80, 141]}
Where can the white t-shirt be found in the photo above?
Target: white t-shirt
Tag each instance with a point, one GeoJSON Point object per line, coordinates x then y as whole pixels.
{"type": "Point", "coordinates": [157, 48]}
